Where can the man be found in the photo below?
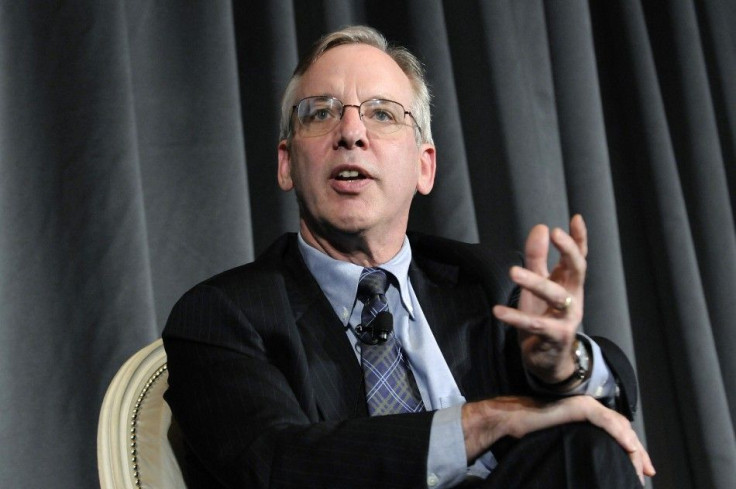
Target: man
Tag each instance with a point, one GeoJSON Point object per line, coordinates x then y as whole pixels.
{"type": "Point", "coordinates": [272, 365]}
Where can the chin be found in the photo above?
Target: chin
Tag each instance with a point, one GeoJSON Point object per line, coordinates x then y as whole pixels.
{"type": "Point", "coordinates": [350, 229]}
{"type": "Point", "coordinates": [348, 226]}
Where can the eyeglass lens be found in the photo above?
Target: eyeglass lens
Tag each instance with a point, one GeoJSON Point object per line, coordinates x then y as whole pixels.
{"type": "Point", "coordinates": [320, 115]}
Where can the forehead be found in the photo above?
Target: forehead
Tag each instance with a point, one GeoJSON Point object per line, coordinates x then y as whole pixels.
{"type": "Point", "coordinates": [356, 72]}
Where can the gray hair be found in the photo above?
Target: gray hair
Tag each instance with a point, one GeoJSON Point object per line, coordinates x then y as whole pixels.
{"type": "Point", "coordinates": [408, 63]}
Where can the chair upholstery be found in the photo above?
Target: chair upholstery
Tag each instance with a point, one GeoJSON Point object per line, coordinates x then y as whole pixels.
{"type": "Point", "coordinates": [137, 443]}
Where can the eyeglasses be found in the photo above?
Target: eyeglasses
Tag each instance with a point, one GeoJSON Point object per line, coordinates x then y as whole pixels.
{"type": "Point", "coordinates": [319, 115]}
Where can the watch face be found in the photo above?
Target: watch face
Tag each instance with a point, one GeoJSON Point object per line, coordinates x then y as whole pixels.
{"type": "Point", "coordinates": [582, 359]}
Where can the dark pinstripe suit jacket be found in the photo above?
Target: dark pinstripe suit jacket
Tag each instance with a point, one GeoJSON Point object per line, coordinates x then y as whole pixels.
{"type": "Point", "coordinates": [267, 391]}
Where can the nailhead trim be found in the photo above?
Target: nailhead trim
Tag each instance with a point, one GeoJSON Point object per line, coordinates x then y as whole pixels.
{"type": "Point", "coordinates": [134, 423]}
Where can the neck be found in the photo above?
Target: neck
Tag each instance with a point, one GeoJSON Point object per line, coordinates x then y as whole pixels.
{"type": "Point", "coordinates": [358, 248]}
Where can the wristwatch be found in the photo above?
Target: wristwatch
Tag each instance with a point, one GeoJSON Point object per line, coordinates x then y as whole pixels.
{"type": "Point", "coordinates": [581, 357]}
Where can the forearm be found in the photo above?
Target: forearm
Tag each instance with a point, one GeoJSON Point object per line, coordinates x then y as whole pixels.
{"type": "Point", "coordinates": [485, 422]}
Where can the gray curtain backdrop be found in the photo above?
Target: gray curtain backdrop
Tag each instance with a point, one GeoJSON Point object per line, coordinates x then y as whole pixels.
{"type": "Point", "coordinates": [138, 157]}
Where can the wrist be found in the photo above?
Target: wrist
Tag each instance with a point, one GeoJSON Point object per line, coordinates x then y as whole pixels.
{"type": "Point", "coordinates": [583, 365]}
{"type": "Point", "coordinates": [483, 424]}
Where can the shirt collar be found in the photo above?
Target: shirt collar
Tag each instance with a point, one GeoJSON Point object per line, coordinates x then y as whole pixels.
{"type": "Point", "coordinates": [339, 279]}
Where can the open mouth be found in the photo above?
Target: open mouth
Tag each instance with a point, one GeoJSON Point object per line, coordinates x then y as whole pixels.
{"type": "Point", "coordinates": [349, 175]}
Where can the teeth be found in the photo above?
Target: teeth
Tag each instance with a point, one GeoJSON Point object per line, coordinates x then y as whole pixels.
{"type": "Point", "coordinates": [348, 174]}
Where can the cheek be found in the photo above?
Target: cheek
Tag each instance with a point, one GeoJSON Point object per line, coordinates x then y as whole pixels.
{"type": "Point", "coordinates": [406, 170]}
{"type": "Point", "coordinates": [299, 168]}
{"type": "Point", "coordinates": [307, 184]}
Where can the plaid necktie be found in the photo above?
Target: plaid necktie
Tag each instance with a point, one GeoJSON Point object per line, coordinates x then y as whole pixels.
{"type": "Point", "coordinates": [389, 384]}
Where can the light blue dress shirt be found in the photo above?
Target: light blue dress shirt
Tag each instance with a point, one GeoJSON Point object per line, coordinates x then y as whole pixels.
{"type": "Point", "coordinates": [446, 461]}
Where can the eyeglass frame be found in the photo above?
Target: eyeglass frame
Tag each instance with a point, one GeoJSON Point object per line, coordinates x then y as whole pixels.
{"type": "Point", "coordinates": [294, 108]}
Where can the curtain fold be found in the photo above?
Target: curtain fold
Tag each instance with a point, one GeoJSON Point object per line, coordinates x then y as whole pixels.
{"type": "Point", "coordinates": [76, 295]}
{"type": "Point", "coordinates": [645, 135]}
{"type": "Point", "coordinates": [428, 34]}
{"type": "Point", "coordinates": [138, 157]}
{"type": "Point", "coordinates": [190, 141]}
{"type": "Point", "coordinates": [588, 179]}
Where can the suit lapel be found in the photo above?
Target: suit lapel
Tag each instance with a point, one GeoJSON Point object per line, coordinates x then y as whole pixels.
{"type": "Point", "coordinates": [334, 371]}
{"type": "Point", "coordinates": [457, 309]}
{"type": "Point", "coordinates": [459, 314]}
{"type": "Point", "coordinates": [336, 374]}
{"type": "Point", "coordinates": [452, 328]}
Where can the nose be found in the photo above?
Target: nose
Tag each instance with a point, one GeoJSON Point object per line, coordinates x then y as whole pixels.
{"type": "Point", "coordinates": [351, 129]}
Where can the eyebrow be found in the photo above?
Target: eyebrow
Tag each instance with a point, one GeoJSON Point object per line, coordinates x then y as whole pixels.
{"type": "Point", "coordinates": [373, 97]}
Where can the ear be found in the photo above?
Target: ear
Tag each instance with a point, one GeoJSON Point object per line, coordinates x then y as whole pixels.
{"type": "Point", "coordinates": [427, 168]}
{"type": "Point", "coordinates": [284, 170]}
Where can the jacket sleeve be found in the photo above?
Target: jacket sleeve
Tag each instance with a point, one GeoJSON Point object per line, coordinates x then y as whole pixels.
{"type": "Point", "coordinates": [623, 372]}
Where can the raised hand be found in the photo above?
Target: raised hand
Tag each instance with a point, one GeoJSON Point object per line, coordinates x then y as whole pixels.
{"type": "Point", "coordinates": [551, 304]}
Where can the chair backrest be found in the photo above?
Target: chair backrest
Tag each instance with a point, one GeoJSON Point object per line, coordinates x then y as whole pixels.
{"type": "Point", "coordinates": [137, 444]}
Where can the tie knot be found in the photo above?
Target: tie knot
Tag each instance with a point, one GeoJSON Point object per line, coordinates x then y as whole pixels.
{"type": "Point", "coordinates": [373, 281]}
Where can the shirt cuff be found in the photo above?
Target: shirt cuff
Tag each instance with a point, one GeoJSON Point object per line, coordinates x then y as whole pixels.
{"type": "Point", "coordinates": [446, 461]}
{"type": "Point", "coordinates": [601, 384]}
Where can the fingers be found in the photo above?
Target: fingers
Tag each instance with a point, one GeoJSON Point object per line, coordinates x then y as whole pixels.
{"type": "Point", "coordinates": [548, 327]}
{"type": "Point", "coordinates": [648, 465]}
{"type": "Point", "coordinates": [519, 416]}
{"type": "Point", "coordinates": [557, 303]}
{"type": "Point", "coordinates": [621, 430]}
{"type": "Point", "coordinates": [571, 268]}
{"type": "Point", "coordinates": [569, 273]}
{"type": "Point", "coordinates": [642, 463]}
{"type": "Point", "coordinates": [536, 250]}
{"type": "Point", "coordinates": [556, 295]}
{"type": "Point", "coordinates": [579, 232]}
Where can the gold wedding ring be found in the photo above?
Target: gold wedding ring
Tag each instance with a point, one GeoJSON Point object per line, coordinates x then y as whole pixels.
{"type": "Point", "coordinates": [564, 305]}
